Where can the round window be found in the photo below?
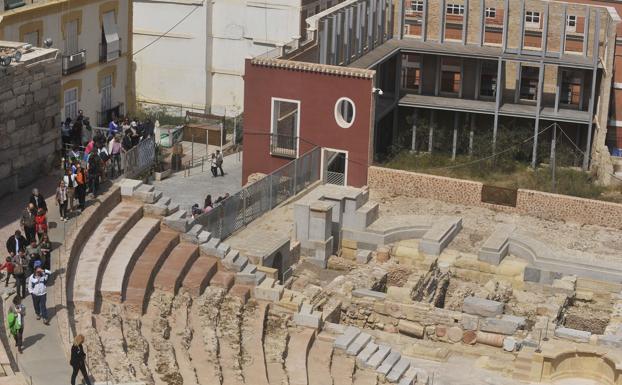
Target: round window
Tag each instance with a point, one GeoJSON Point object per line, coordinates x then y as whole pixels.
{"type": "Point", "coordinates": [345, 112]}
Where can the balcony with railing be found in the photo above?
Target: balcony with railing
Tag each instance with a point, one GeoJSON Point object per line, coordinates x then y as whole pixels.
{"type": "Point", "coordinates": [284, 145]}
{"type": "Point", "coordinates": [105, 56]}
{"type": "Point", "coordinates": [74, 62]}
{"type": "Point", "coordinates": [104, 117]}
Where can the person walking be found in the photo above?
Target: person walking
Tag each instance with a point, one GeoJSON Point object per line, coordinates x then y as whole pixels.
{"type": "Point", "coordinates": [208, 206]}
{"type": "Point", "coordinates": [8, 265]}
{"type": "Point", "coordinates": [70, 182]}
{"type": "Point", "coordinates": [114, 149]}
{"type": "Point", "coordinates": [37, 200]}
{"type": "Point", "coordinates": [213, 166]}
{"type": "Point", "coordinates": [45, 248]}
{"type": "Point", "coordinates": [78, 359]}
{"type": "Point", "coordinates": [37, 286]}
{"type": "Point", "coordinates": [41, 224]}
{"type": "Point", "coordinates": [219, 161]}
{"type": "Point", "coordinates": [61, 200]}
{"type": "Point", "coordinates": [16, 243]}
{"type": "Point", "coordinates": [20, 266]}
{"type": "Point", "coordinates": [28, 222]}
{"type": "Point", "coordinates": [80, 187]}
{"type": "Point", "coordinates": [93, 172]}
{"type": "Point", "coordinates": [15, 321]}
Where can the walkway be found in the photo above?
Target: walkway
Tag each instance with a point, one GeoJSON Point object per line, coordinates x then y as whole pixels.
{"type": "Point", "coordinates": [44, 361]}
{"type": "Point", "coordinates": [186, 191]}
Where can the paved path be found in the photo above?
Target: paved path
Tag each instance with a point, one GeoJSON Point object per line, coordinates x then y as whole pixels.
{"type": "Point", "coordinates": [186, 191]}
{"type": "Point", "coordinates": [44, 361]}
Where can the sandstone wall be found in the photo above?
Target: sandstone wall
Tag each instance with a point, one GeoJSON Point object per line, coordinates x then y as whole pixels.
{"type": "Point", "coordinates": [29, 120]}
{"type": "Point", "coordinates": [533, 203]}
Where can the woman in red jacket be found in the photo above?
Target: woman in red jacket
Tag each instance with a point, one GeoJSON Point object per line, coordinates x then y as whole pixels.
{"type": "Point", "coordinates": [41, 224]}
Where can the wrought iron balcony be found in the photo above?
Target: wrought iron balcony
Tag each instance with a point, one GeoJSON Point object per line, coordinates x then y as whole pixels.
{"type": "Point", "coordinates": [284, 145]}
{"type": "Point", "coordinates": [74, 63]}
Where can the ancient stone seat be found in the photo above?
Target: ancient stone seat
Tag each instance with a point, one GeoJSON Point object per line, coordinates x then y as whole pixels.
{"type": "Point", "coordinates": [127, 252]}
{"type": "Point", "coordinates": [175, 267]}
{"type": "Point", "coordinates": [99, 248]}
{"type": "Point", "coordinates": [200, 274]}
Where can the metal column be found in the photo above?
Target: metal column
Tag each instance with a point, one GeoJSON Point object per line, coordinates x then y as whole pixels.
{"type": "Point", "coordinates": [536, 129]}
{"type": "Point", "coordinates": [441, 29]}
{"type": "Point", "coordinates": [558, 87]}
{"type": "Point", "coordinates": [324, 41]}
{"type": "Point", "coordinates": [482, 30]}
{"type": "Point", "coordinates": [521, 41]}
{"type": "Point", "coordinates": [371, 22]}
{"type": "Point", "coordinates": [588, 145]}
{"type": "Point", "coordinates": [478, 78]}
{"type": "Point", "coordinates": [432, 124]}
{"type": "Point", "coordinates": [498, 95]}
{"type": "Point", "coordinates": [400, 19]}
{"type": "Point", "coordinates": [413, 142]}
{"type": "Point", "coordinates": [437, 79]}
{"type": "Point", "coordinates": [471, 133]}
{"type": "Point", "coordinates": [455, 138]}
{"type": "Point", "coordinates": [465, 21]}
{"type": "Point", "coordinates": [506, 12]}
{"type": "Point", "coordinates": [517, 82]}
{"type": "Point", "coordinates": [545, 29]}
{"type": "Point", "coordinates": [586, 29]}
{"type": "Point", "coordinates": [333, 38]}
{"type": "Point", "coordinates": [562, 40]}
{"type": "Point", "coordinates": [424, 21]}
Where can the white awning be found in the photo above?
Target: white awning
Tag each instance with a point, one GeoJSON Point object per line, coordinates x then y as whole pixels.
{"type": "Point", "coordinates": [112, 37]}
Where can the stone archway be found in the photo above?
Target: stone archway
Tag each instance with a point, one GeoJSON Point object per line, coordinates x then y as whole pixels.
{"type": "Point", "coordinates": [581, 368]}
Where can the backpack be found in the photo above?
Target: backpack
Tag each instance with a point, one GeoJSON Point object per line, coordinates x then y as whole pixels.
{"type": "Point", "coordinates": [18, 268]}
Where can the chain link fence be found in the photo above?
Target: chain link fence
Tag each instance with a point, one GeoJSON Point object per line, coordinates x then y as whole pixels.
{"type": "Point", "coordinates": [262, 196]}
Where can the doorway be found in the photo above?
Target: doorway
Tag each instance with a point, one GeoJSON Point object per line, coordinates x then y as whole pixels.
{"type": "Point", "coordinates": [334, 166]}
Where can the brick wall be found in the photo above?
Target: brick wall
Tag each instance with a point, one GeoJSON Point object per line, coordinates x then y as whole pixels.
{"type": "Point", "coordinates": [533, 203]}
{"type": "Point", "coordinates": [29, 119]}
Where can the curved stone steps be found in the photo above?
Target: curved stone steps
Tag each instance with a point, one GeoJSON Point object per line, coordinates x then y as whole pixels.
{"type": "Point", "coordinates": [156, 329]}
{"type": "Point", "coordinates": [319, 362]}
{"type": "Point", "coordinates": [125, 255]}
{"type": "Point", "coordinates": [275, 347]}
{"type": "Point", "coordinates": [342, 368]}
{"type": "Point", "coordinates": [148, 264]}
{"type": "Point", "coordinates": [98, 249]}
{"type": "Point", "coordinates": [229, 337]}
{"type": "Point", "coordinates": [96, 358]}
{"type": "Point", "coordinates": [181, 336]}
{"type": "Point", "coordinates": [254, 368]}
{"type": "Point", "coordinates": [297, 352]}
{"type": "Point", "coordinates": [200, 274]}
{"type": "Point", "coordinates": [175, 267]}
{"type": "Point", "coordinates": [205, 346]}
{"type": "Point", "coordinates": [109, 328]}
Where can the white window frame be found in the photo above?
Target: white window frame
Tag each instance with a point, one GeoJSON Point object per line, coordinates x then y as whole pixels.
{"type": "Point", "coordinates": [455, 9]}
{"type": "Point", "coordinates": [272, 126]}
{"type": "Point", "coordinates": [106, 89]}
{"type": "Point", "coordinates": [71, 39]}
{"type": "Point", "coordinates": [532, 19]}
{"type": "Point", "coordinates": [341, 122]}
{"type": "Point", "coordinates": [491, 12]}
{"type": "Point", "coordinates": [71, 104]}
{"type": "Point", "coordinates": [345, 152]}
{"type": "Point", "coordinates": [415, 6]}
{"type": "Point", "coordinates": [571, 23]}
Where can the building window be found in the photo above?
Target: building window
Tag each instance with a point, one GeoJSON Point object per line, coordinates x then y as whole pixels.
{"type": "Point", "coordinates": [32, 38]}
{"type": "Point", "coordinates": [529, 83]}
{"type": "Point", "coordinates": [284, 127]}
{"type": "Point", "coordinates": [488, 81]}
{"type": "Point", "coordinates": [571, 23]}
{"type": "Point", "coordinates": [110, 47]}
{"type": "Point", "coordinates": [345, 112]}
{"type": "Point", "coordinates": [71, 37]}
{"type": "Point", "coordinates": [455, 9]}
{"type": "Point", "coordinates": [416, 6]}
{"type": "Point", "coordinates": [106, 93]}
{"type": "Point", "coordinates": [491, 13]}
{"type": "Point", "coordinates": [71, 103]}
{"type": "Point", "coordinates": [532, 19]}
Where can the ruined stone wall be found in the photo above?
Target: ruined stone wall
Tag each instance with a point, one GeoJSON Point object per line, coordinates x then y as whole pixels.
{"type": "Point", "coordinates": [533, 203]}
{"type": "Point", "coordinates": [29, 120]}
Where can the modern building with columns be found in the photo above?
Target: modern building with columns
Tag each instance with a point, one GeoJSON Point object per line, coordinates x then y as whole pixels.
{"type": "Point", "coordinates": [444, 72]}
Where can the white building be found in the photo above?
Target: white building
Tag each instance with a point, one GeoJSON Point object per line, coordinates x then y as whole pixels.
{"type": "Point", "coordinates": [94, 37]}
{"type": "Point", "coordinates": [199, 64]}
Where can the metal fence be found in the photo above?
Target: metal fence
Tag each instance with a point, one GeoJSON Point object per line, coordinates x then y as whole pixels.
{"type": "Point", "coordinates": [262, 196]}
{"type": "Point", "coordinates": [139, 158]}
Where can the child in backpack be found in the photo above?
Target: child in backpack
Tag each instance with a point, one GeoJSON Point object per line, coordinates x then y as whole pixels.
{"type": "Point", "coordinates": [8, 265]}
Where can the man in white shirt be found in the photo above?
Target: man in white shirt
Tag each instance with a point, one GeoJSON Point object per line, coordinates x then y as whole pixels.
{"type": "Point", "coordinates": [37, 286]}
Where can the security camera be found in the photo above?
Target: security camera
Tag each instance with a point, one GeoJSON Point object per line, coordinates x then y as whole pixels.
{"type": "Point", "coordinates": [17, 56]}
{"type": "Point", "coordinates": [5, 61]}
{"type": "Point", "coordinates": [377, 91]}
{"type": "Point", "coordinates": [48, 42]}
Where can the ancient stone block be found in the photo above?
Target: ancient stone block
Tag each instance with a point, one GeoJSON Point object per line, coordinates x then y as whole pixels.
{"type": "Point", "coordinates": [497, 325]}
{"type": "Point", "coordinates": [343, 341]}
{"type": "Point", "coordinates": [469, 322]}
{"type": "Point", "coordinates": [573, 335]}
{"type": "Point", "coordinates": [482, 307]}
{"type": "Point", "coordinates": [413, 329]}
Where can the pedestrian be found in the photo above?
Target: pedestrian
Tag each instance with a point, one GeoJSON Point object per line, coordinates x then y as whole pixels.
{"type": "Point", "coordinates": [221, 198]}
{"type": "Point", "coordinates": [212, 165]}
{"type": "Point", "coordinates": [219, 161]}
{"type": "Point", "coordinates": [70, 182]}
{"type": "Point", "coordinates": [28, 221]}
{"type": "Point", "coordinates": [37, 286]}
{"type": "Point", "coordinates": [126, 143]}
{"type": "Point", "coordinates": [16, 243]}
{"type": "Point", "coordinates": [208, 206]}
{"type": "Point", "coordinates": [93, 172]}
{"type": "Point", "coordinates": [113, 128]}
{"type": "Point", "coordinates": [80, 186]}
{"type": "Point", "coordinates": [15, 320]}
{"type": "Point", "coordinates": [8, 265]}
{"type": "Point", "coordinates": [41, 224]}
{"type": "Point", "coordinates": [114, 149]}
{"type": "Point", "coordinates": [45, 248]}
{"type": "Point", "coordinates": [20, 265]}
{"type": "Point", "coordinates": [61, 200]}
{"type": "Point", "coordinates": [76, 131]}
{"type": "Point", "coordinates": [32, 249]}
{"type": "Point", "coordinates": [37, 200]}
{"type": "Point", "coordinates": [65, 132]}
{"type": "Point", "coordinates": [77, 361]}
